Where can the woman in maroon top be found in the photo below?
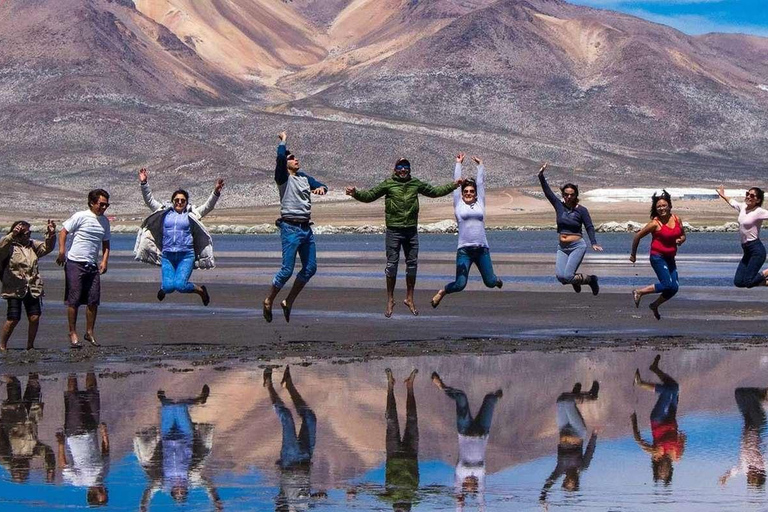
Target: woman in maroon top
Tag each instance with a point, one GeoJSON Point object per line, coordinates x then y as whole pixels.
{"type": "Point", "coordinates": [668, 234]}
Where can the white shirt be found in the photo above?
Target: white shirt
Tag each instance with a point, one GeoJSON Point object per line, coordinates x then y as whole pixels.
{"type": "Point", "coordinates": [749, 222]}
{"type": "Point", "coordinates": [471, 217]}
{"type": "Point", "coordinates": [87, 231]}
{"type": "Point", "coordinates": [87, 463]}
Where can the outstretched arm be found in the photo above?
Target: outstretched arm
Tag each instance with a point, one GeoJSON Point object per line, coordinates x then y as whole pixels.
{"type": "Point", "coordinates": [316, 187]}
{"type": "Point", "coordinates": [370, 195]}
{"type": "Point", "coordinates": [648, 228]}
{"type": "Point", "coordinates": [428, 190]}
{"type": "Point", "coordinates": [721, 193]}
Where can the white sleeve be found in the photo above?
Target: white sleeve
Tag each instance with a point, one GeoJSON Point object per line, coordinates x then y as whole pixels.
{"type": "Point", "coordinates": [72, 223]}
{"type": "Point", "coordinates": [736, 205]}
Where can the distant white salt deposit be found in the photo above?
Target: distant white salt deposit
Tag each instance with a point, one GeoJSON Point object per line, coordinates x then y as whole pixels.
{"type": "Point", "coordinates": [763, 87]}
{"type": "Point", "coordinates": [617, 195]}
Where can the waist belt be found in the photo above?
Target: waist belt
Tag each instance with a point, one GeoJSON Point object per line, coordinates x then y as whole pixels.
{"type": "Point", "coordinates": [294, 222]}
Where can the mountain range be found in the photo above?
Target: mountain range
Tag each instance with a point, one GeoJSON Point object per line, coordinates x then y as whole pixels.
{"type": "Point", "coordinates": [90, 90]}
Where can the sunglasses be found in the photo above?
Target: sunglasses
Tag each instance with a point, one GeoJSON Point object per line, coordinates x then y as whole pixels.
{"type": "Point", "coordinates": [402, 167]}
{"type": "Point", "coordinates": [751, 194]}
{"type": "Point", "coordinates": [102, 205]}
{"type": "Point", "coordinates": [180, 200]}
{"type": "Point", "coordinates": [468, 192]}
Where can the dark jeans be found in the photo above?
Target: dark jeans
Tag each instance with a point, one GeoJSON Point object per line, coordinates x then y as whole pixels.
{"type": "Point", "coordinates": [666, 405]}
{"type": "Point", "coordinates": [748, 273]}
{"type": "Point", "coordinates": [408, 240]}
{"type": "Point", "coordinates": [33, 305]}
{"type": "Point", "coordinates": [296, 450]}
{"type": "Point", "coordinates": [465, 257]}
{"type": "Point", "coordinates": [466, 425]}
{"type": "Point", "coordinates": [408, 447]}
{"type": "Point", "coordinates": [750, 403]}
{"type": "Point", "coordinates": [666, 271]}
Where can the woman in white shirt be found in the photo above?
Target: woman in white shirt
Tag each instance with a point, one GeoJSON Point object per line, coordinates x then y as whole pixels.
{"type": "Point", "coordinates": [469, 208]}
{"type": "Point", "coordinates": [751, 217]}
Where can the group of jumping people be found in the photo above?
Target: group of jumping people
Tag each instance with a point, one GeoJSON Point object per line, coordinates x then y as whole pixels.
{"type": "Point", "coordinates": [174, 238]}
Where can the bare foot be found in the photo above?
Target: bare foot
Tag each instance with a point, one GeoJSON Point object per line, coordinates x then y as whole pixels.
{"type": "Point", "coordinates": [267, 377]}
{"type": "Point", "coordinates": [655, 364]}
{"type": "Point", "coordinates": [437, 380]}
{"type": "Point", "coordinates": [409, 380]}
{"type": "Point", "coordinates": [636, 297]}
{"type": "Point", "coordinates": [390, 378]}
{"type": "Point", "coordinates": [437, 298]}
{"type": "Point", "coordinates": [411, 306]}
{"type": "Point", "coordinates": [637, 380]}
{"type": "Point", "coordinates": [287, 380]}
{"type": "Point", "coordinates": [390, 308]}
{"type": "Point", "coordinates": [266, 310]}
{"type": "Point", "coordinates": [3, 348]}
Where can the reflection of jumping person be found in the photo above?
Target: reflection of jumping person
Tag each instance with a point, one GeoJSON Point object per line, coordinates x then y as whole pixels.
{"type": "Point", "coordinates": [174, 237]}
{"type": "Point", "coordinates": [296, 189]}
{"type": "Point", "coordinates": [572, 458]}
{"type": "Point", "coordinates": [668, 442]}
{"type": "Point", "coordinates": [19, 418]}
{"type": "Point", "coordinates": [570, 217]}
{"type": "Point", "coordinates": [668, 234]}
{"type": "Point", "coordinates": [174, 457]}
{"type": "Point", "coordinates": [295, 451]}
{"type": "Point", "coordinates": [751, 217]}
{"type": "Point", "coordinates": [402, 468]}
{"type": "Point", "coordinates": [83, 447]}
{"type": "Point", "coordinates": [473, 439]}
{"type": "Point", "coordinates": [469, 208]}
{"type": "Point", "coordinates": [401, 212]}
{"type": "Point", "coordinates": [751, 460]}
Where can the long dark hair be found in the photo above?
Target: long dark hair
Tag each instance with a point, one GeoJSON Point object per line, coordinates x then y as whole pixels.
{"type": "Point", "coordinates": [572, 186]}
{"type": "Point", "coordinates": [19, 222]}
{"type": "Point", "coordinates": [760, 195]}
{"type": "Point", "coordinates": [656, 198]}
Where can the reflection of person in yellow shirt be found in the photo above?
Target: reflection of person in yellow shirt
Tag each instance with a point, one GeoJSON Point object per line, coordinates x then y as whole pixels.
{"type": "Point", "coordinates": [19, 418]}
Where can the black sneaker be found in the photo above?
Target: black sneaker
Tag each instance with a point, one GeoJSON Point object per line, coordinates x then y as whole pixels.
{"type": "Point", "coordinates": [594, 389]}
{"type": "Point", "coordinates": [594, 285]}
{"type": "Point", "coordinates": [576, 287]}
{"type": "Point", "coordinates": [576, 388]}
{"type": "Point", "coordinates": [160, 294]}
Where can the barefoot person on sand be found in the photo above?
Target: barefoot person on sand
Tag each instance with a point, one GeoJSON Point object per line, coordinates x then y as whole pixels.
{"type": "Point", "coordinates": [668, 234]}
{"type": "Point", "coordinates": [473, 440]}
{"type": "Point", "coordinates": [668, 442]}
{"type": "Point", "coordinates": [296, 189]}
{"type": "Point", "coordinates": [82, 267]}
{"type": "Point", "coordinates": [469, 208]}
{"type": "Point", "coordinates": [401, 210]}
{"type": "Point", "coordinates": [751, 217]}
{"type": "Point", "coordinates": [570, 218]}
{"type": "Point", "coordinates": [184, 242]}
{"type": "Point", "coordinates": [22, 285]}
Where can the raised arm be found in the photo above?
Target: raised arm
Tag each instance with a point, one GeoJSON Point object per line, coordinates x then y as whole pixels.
{"type": "Point", "coordinates": [480, 180]}
{"type": "Point", "coordinates": [146, 192]}
{"type": "Point", "coordinates": [721, 192]}
{"type": "Point", "coordinates": [210, 204]}
{"type": "Point", "coordinates": [46, 247]}
{"type": "Point", "coordinates": [557, 473]}
{"type": "Point", "coordinates": [647, 229]}
{"type": "Point", "coordinates": [457, 176]}
{"type": "Point", "coordinates": [551, 197]}
{"type": "Point", "coordinates": [281, 164]}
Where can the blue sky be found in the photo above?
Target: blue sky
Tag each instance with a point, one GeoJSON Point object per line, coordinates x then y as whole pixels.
{"type": "Point", "coordinates": [695, 16]}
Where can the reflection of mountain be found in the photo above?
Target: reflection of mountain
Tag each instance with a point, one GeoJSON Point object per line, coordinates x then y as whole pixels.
{"type": "Point", "coordinates": [105, 85]}
{"type": "Point", "coordinates": [349, 401]}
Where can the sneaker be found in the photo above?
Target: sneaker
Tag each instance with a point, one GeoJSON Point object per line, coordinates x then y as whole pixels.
{"type": "Point", "coordinates": [576, 287]}
{"type": "Point", "coordinates": [594, 285]}
{"type": "Point", "coordinates": [160, 294]}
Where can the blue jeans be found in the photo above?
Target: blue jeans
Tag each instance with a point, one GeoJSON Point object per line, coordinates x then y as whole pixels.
{"type": "Point", "coordinates": [465, 257]}
{"type": "Point", "coordinates": [301, 240]}
{"type": "Point", "coordinates": [666, 405]}
{"type": "Point", "coordinates": [465, 424]}
{"type": "Point", "coordinates": [568, 259]}
{"type": "Point", "coordinates": [666, 271]}
{"type": "Point", "coordinates": [296, 449]}
{"type": "Point", "coordinates": [176, 270]}
{"type": "Point", "coordinates": [748, 273]}
{"type": "Point", "coordinates": [175, 421]}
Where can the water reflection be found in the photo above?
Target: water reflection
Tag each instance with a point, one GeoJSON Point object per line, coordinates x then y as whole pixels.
{"type": "Point", "coordinates": [295, 450]}
{"type": "Point", "coordinates": [751, 460]}
{"type": "Point", "coordinates": [572, 458]}
{"type": "Point", "coordinates": [83, 445]}
{"type": "Point", "coordinates": [668, 442]}
{"type": "Point", "coordinates": [19, 418]}
{"type": "Point", "coordinates": [173, 456]}
{"type": "Point", "coordinates": [342, 442]}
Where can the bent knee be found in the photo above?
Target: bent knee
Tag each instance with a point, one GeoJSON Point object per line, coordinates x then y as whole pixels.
{"type": "Point", "coordinates": [169, 287]}
{"type": "Point", "coordinates": [33, 318]}
{"type": "Point", "coordinates": [565, 279]}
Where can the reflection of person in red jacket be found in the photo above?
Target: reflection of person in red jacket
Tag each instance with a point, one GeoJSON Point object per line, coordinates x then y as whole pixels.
{"type": "Point", "coordinates": [668, 442]}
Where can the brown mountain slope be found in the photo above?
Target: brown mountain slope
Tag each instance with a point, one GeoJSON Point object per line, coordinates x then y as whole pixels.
{"type": "Point", "coordinates": [95, 49]}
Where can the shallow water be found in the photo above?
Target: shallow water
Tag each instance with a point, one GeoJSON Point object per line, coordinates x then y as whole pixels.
{"type": "Point", "coordinates": [236, 436]}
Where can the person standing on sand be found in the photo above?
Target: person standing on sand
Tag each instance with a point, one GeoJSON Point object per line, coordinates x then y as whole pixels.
{"type": "Point", "coordinates": [668, 234]}
{"type": "Point", "coordinates": [469, 208]}
{"type": "Point", "coordinates": [751, 217]}
{"type": "Point", "coordinates": [473, 440]}
{"type": "Point", "coordinates": [570, 217]}
{"type": "Point", "coordinates": [20, 275]}
{"type": "Point", "coordinates": [668, 442]}
{"type": "Point", "coordinates": [82, 268]}
{"type": "Point", "coordinates": [401, 210]}
{"type": "Point", "coordinates": [296, 189]}
{"type": "Point", "coordinates": [184, 241]}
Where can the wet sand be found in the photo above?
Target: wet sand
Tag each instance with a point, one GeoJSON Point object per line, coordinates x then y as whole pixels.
{"type": "Point", "coordinates": [333, 321]}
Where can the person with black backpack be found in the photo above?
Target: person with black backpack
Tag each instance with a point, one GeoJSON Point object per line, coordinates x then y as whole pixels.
{"type": "Point", "coordinates": [22, 284]}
